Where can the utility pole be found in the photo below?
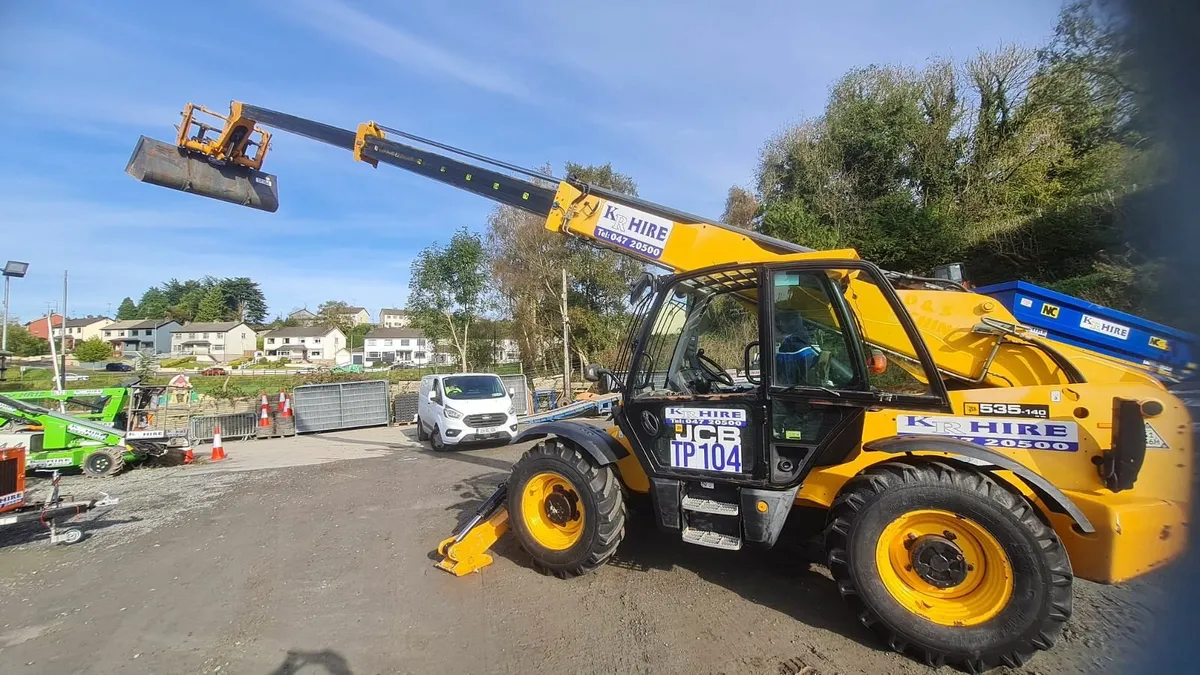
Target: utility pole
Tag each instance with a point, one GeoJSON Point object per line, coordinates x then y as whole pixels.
{"type": "Point", "coordinates": [566, 330]}
{"type": "Point", "coordinates": [62, 349]}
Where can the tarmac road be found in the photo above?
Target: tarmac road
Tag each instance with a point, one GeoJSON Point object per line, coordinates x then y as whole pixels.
{"type": "Point", "coordinates": [326, 568]}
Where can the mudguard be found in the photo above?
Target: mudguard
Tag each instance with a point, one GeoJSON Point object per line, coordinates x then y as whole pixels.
{"type": "Point", "coordinates": [977, 455]}
{"type": "Point", "coordinates": [602, 448]}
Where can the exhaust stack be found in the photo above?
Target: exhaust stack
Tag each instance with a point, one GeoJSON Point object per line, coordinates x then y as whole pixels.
{"type": "Point", "coordinates": [169, 166]}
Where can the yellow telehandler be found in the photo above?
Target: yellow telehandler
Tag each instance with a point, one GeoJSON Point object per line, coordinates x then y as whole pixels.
{"type": "Point", "coordinates": [970, 468]}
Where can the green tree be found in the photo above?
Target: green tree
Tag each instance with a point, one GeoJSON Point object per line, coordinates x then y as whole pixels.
{"type": "Point", "coordinates": [93, 350]}
{"type": "Point", "coordinates": [22, 343]}
{"type": "Point", "coordinates": [447, 290]}
{"type": "Point", "coordinates": [244, 300]}
{"type": "Point", "coordinates": [335, 313]}
{"type": "Point", "coordinates": [127, 310]}
{"type": "Point", "coordinates": [212, 306]}
{"type": "Point", "coordinates": [153, 305]}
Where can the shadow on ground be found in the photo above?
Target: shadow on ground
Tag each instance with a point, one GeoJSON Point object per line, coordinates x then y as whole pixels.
{"type": "Point", "coordinates": [33, 531]}
{"type": "Point", "coordinates": [788, 578]}
{"type": "Point", "coordinates": [324, 661]}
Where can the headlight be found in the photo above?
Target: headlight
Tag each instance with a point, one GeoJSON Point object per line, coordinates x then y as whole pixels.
{"type": "Point", "coordinates": [512, 410]}
{"type": "Point", "coordinates": [452, 413]}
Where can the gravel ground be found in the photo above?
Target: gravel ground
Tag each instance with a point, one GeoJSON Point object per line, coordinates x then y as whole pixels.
{"type": "Point", "coordinates": [327, 569]}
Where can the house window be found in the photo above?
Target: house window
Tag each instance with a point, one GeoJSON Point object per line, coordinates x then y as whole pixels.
{"type": "Point", "coordinates": [287, 340]}
{"type": "Point", "coordinates": [404, 342]}
{"type": "Point", "coordinates": [316, 341]}
{"type": "Point", "coordinates": [316, 353]}
{"type": "Point", "coordinates": [108, 333]}
{"type": "Point", "coordinates": [205, 336]}
{"type": "Point", "coordinates": [148, 332]}
{"type": "Point", "coordinates": [387, 343]}
{"type": "Point", "coordinates": [270, 341]}
{"type": "Point", "coordinates": [243, 336]}
{"type": "Point", "coordinates": [191, 336]}
{"type": "Point", "coordinates": [372, 342]}
{"type": "Point", "coordinates": [420, 342]}
{"type": "Point", "coordinates": [302, 340]}
{"type": "Point", "coordinates": [419, 356]}
{"type": "Point", "coordinates": [372, 355]}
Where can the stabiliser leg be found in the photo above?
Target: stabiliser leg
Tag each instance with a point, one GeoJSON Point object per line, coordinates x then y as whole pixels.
{"type": "Point", "coordinates": [466, 551]}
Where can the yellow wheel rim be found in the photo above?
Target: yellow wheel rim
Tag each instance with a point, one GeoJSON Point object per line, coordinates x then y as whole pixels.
{"type": "Point", "coordinates": [552, 511]}
{"type": "Point", "coordinates": [944, 568]}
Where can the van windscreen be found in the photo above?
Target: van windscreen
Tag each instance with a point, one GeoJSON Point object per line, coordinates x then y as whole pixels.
{"type": "Point", "coordinates": [473, 387]}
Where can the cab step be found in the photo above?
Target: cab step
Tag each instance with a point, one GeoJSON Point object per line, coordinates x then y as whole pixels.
{"type": "Point", "coordinates": [713, 506]}
{"type": "Point", "coordinates": [711, 539]}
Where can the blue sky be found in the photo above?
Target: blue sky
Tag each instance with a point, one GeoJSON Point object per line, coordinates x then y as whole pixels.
{"type": "Point", "coordinates": [680, 94]}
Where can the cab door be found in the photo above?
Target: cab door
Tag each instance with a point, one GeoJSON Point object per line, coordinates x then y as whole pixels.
{"type": "Point", "coordinates": [836, 341]}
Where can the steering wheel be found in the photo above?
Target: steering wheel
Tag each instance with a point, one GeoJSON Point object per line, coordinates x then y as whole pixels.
{"type": "Point", "coordinates": [712, 369]}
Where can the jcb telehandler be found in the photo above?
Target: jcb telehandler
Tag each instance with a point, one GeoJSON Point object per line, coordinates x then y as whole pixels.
{"type": "Point", "coordinates": [970, 468]}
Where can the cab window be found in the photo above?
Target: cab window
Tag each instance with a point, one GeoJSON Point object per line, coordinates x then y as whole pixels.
{"type": "Point", "coordinates": [809, 345]}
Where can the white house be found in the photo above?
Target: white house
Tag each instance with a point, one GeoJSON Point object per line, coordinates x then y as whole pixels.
{"type": "Point", "coordinates": [393, 318]}
{"type": "Point", "coordinates": [303, 316]}
{"type": "Point", "coordinates": [221, 341]}
{"type": "Point", "coordinates": [398, 345]}
{"type": "Point", "coordinates": [82, 329]}
{"type": "Point", "coordinates": [307, 343]}
{"type": "Point", "coordinates": [134, 336]}
{"type": "Point", "coordinates": [357, 316]}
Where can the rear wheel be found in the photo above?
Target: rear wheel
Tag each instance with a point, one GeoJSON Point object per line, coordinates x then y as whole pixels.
{"type": "Point", "coordinates": [421, 435]}
{"type": "Point", "coordinates": [568, 514]}
{"type": "Point", "coordinates": [948, 565]}
{"type": "Point", "coordinates": [103, 462]}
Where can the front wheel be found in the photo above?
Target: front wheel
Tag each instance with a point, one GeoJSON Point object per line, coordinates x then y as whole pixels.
{"type": "Point", "coordinates": [948, 565]}
{"type": "Point", "coordinates": [568, 514]}
{"type": "Point", "coordinates": [103, 462]}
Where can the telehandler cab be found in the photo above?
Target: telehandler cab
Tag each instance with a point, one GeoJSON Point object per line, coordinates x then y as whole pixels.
{"type": "Point", "coordinates": [970, 468]}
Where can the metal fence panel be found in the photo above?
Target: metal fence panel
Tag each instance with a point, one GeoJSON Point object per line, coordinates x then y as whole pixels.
{"type": "Point", "coordinates": [235, 425]}
{"type": "Point", "coordinates": [341, 405]}
{"type": "Point", "coordinates": [520, 388]}
{"type": "Point", "coordinates": [406, 407]}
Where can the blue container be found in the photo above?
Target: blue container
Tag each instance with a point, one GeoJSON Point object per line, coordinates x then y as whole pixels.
{"type": "Point", "coordinates": [1077, 322]}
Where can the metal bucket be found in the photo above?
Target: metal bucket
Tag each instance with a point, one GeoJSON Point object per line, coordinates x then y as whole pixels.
{"type": "Point", "coordinates": [168, 166]}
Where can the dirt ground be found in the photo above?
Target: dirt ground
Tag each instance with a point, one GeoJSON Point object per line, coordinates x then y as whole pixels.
{"type": "Point", "coordinates": [324, 567]}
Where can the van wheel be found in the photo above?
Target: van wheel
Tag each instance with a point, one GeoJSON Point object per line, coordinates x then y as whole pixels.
{"type": "Point", "coordinates": [421, 435]}
{"type": "Point", "coordinates": [435, 439]}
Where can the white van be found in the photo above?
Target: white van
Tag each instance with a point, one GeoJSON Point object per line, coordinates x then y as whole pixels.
{"type": "Point", "coordinates": [464, 408]}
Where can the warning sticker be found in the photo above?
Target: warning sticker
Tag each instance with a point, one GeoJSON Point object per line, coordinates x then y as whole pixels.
{"type": "Point", "coordinates": [1153, 440]}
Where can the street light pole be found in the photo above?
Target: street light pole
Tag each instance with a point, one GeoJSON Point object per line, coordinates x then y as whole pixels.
{"type": "Point", "coordinates": [13, 268]}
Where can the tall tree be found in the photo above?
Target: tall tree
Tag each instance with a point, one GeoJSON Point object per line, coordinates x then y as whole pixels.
{"type": "Point", "coordinates": [244, 300]}
{"type": "Point", "coordinates": [447, 290]}
{"type": "Point", "coordinates": [22, 343]}
{"type": "Point", "coordinates": [212, 306]}
{"type": "Point", "coordinates": [335, 313]}
{"type": "Point", "coordinates": [127, 310]}
{"type": "Point", "coordinates": [153, 305]}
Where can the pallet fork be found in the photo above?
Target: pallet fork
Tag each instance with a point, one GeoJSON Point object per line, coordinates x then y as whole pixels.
{"type": "Point", "coordinates": [466, 551]}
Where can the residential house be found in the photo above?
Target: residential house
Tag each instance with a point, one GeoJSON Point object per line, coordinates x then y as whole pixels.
{"type": "Point", "coordinates": [220, 341]}
{"type": "Point", "coordinates": [41, 327]}
{"type": "Point", "coordinates": [506, 350]}
{"type": "Point", "coordinates": [398, 345]}
{"type": "Point", "coordinates": [303, 317]}
{"type": "Point", "coordinates": [82, 329]}
{"type": "Point", "coordinates": [319, 344]}
{"type": "Point", "coordinates": [393, 318]}
{"type": "Point", "coordinates": [139, 336]}
{"type": "Point", "coordinates": [357, 316]}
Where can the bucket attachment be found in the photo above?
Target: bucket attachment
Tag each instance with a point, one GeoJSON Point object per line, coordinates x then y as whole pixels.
{"type": "Point", "coordinates": [169, 166]}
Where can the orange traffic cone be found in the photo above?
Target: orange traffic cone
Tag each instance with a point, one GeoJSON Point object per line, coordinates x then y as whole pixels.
{"type": "Point", "coordinates": [188, 455]}
{"type": "Point", "coordinates": [285, 406]}
{"type": "Point", "coordinates": [264, 419]}
{"type": "Point", "coordinates": [262, 398]}
{"type": "Point", "coordinates": [218, 451]}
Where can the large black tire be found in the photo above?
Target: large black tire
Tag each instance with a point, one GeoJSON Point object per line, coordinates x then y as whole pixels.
{"type": "Point", "coordinates": [435, 440]}
{"type": "Point", "coordinates": [103, 462]}
{"type": "Point", "coordinates": [421, 435]}
{"type": "Point", "coordinates": [600, 498]}
{"type": "Point", "coordinates": [1040, 601]}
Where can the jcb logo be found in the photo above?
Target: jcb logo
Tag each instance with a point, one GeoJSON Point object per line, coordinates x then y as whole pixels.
{"type": "Point", "coordinates": [1050, 310]}
{"type": "Point", "coordinates": [1159, 343]}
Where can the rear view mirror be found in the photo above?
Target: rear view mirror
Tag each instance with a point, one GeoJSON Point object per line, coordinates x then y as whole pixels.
{"type": "Point", "coordinates": [640, 287]}
{"type": "Point", "coordinates": [512, 391]}
{"type": "Point", "coordinates": [591, 372]}
{"type": "Point", "coordinates": [751, 364]}
{"type": "Point", "coordinates": [432, 396]}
